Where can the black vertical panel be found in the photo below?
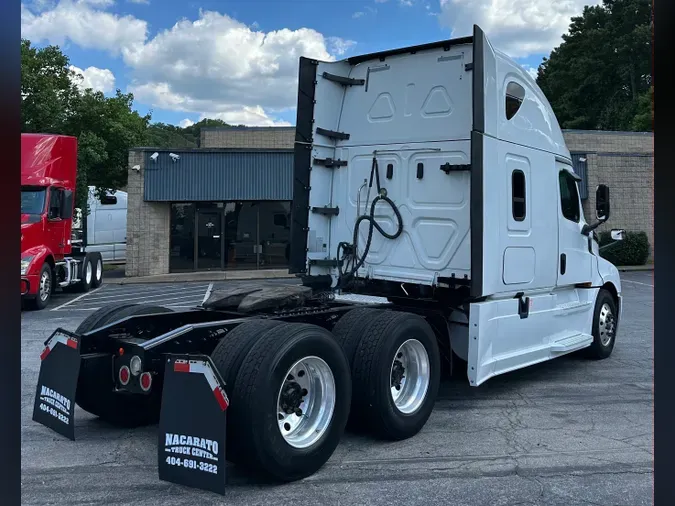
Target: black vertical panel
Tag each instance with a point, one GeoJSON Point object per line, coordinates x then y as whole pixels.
{"type": "Point", "coordinates": [580, 168]}
{"type": "Point", "coordinates": [478, 83]}
{"type": "Point", "coordinates": [476, 208]}
{"type": "Point", "coordinates": [302, 164]}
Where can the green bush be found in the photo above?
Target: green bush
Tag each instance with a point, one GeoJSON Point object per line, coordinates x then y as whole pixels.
{"type": "Point", "coordinates": [633, 250]}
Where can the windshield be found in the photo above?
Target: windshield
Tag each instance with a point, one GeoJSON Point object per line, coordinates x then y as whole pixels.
{"type": "Point", "coordinates": [32, 200]}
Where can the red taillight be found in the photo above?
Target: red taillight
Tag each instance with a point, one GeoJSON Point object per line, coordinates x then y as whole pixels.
{"type": "Point", "coordinates": [124, 375]}
{"type": "Point", "coordinates": [146, 381]}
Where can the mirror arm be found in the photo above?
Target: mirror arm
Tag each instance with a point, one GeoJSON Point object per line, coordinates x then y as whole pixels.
{"type": "Point", "coordinates": [586, 229]}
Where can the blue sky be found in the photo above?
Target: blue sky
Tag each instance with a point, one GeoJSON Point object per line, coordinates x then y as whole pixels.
{"type": "Point", "coordinates": [237, 59]}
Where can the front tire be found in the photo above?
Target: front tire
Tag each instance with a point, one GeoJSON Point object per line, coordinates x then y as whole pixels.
{"type": "Point", "coordinates": [291, 367]}
{"type": "Point", "coordinates": [605, 319]}
{"type": "Point", "coordinates": [45, 287]}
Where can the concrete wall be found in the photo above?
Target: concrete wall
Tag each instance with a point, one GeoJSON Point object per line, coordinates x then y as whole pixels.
{"type": "Point", "coordinates": [248, 138]}
{"type": "Point", "coordinates": [148, 229]}
{"type": "Point", "coordinates": [625, 162]}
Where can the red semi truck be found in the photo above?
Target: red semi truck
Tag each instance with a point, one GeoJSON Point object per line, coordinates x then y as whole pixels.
{"type": "Point", "coordinates": [49, 259]}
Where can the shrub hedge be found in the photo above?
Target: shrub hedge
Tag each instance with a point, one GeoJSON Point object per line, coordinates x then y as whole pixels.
{"type": "Point", "coordinates": [633, 250]}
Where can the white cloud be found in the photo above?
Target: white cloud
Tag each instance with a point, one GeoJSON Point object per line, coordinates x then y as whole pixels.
{"type": "Point", "coordinates": [406, 3]}
{"type": "Point", "coordinates": [249, 116]}
{"type": "Point", "coordinates": [517, 27]}
{"type": "Point", "coordinates": [214, 65]}
{"type": "Point", "coordinates": [381, 1]}
{"type": "Point", "coordinates": [85, 24]}
{"type": "Point", "coordinates": [186, 123]}
{"type": "Point", "coordinates": [358, 14]}
{"type": "Point", "coordinates": [339, 46]}
{"type": "Point", "coordinates": [531, 70]}
{"type": "Point", "coordinates": [94, 78]}
{"type": "Point", "coordinates": [145, 2]}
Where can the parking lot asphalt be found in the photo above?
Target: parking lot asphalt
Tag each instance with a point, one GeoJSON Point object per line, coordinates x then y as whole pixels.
{"type": "Point", "coordinates": [566, 432]}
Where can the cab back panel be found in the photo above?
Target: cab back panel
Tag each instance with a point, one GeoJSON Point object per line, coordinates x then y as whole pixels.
{"type": "Point", "coordinates": [412, 113]}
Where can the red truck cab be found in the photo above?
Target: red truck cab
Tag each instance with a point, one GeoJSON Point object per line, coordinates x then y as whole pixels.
{"type": "Point", "coordinates": [48, 175]}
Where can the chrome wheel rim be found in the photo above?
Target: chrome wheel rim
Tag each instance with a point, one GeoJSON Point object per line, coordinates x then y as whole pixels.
{"type": "Point", "coordinates": [99, 270]}
{"type": "Point", "coordinates": [305, 402]}
{"type": "Point", "coordinates": [606, 325]}
{"type": "Point", "coordinates": [88, 273]}
{"type": "Point", "coordinates": [410, 376]}
{"type": "Point", "coordinates": [45, 285]}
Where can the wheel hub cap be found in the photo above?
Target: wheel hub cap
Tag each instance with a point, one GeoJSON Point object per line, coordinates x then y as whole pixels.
{"type": "Point", "coordinates": [606, 325]}
{"type": "Point", "coordinates": [306, 402]}
{"type": "Point", "coordinates": [410, 376]}
{"type": "Point", "coordinates": [45, 286]}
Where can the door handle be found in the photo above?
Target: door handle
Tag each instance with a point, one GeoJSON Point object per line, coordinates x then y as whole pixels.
{"type": "Point", "coordinates": [563, 263]}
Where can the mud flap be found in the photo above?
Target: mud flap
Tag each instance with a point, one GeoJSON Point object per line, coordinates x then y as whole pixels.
{"type": "Point", "coordinates": [55, 394]}
{"type": "Point", "coordinates": [191, 446]}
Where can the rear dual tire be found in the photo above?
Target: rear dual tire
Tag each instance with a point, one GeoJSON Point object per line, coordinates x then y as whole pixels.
{"type": "Point", "coordinates": [395, 366]}
{"type": "Point", "coordinates": [91, 273]}
{"type": "Point", "coordinates": [288, 367]}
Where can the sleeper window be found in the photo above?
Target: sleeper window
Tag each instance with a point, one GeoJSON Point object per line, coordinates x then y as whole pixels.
{"type": "Point", "coordinates": [515, 94]}
{"type": "Point", "coordinates": [518, 204]}
{"type": "Point", "coordinates": [569, 196]}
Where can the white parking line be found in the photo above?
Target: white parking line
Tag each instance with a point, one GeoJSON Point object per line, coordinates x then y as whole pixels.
{"type": "Point", "coordinates": [75, 299]}
{"type": "Point", "coordinates": [636, 282]}
{"type": "Point", "coordinates": [112, 289]}
{"type": "Point", "coordinates": [147, 295]}
{"type": "Point", "coordinates": [162, 300]}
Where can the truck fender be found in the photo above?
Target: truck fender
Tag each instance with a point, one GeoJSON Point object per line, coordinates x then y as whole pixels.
{"type": "Point", "coordinates": [41, 254]}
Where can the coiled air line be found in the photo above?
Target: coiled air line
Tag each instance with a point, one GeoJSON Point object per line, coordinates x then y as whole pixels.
{"type": "Point", "coordinates": [351, 249]}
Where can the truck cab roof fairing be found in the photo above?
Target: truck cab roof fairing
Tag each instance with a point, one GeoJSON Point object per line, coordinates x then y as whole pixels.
{"type": "Point", "coordinates": [47, 159]}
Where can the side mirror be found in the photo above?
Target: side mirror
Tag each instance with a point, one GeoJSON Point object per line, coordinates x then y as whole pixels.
{"type": "Point", "coordinates": [618, 235]}
{"type": "Point", "coordinates": [602, 203]}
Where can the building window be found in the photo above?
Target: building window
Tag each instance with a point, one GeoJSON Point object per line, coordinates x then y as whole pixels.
{"type": "Point", "coordinates": [518, 204]}
{"type": "Point", "coordinates": [569, 196]}
{"type": "Point", "coordinates": [230, 235]}
{"type": "Point", "coordinates": [182, 238]}
{"type": "Point", "coordinates": [515, 94]}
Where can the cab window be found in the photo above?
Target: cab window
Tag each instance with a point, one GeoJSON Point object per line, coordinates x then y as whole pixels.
{"type": "Point", "coordinates": [569, 196]}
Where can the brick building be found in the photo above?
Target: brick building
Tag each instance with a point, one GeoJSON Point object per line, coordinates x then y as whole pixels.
{"type": "Point", "coordinates": [226, 205]}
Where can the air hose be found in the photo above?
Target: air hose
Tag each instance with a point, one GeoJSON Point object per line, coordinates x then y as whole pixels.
{"type": "Point", "coordinates": [351, 249]}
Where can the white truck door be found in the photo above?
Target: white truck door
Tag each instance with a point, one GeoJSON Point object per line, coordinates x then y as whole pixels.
{"type": "Point", "coordinates": [574, 259]}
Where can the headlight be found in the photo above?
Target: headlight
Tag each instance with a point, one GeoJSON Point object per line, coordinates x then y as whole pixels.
{"type": "Point", "coordinates": [25, 263]}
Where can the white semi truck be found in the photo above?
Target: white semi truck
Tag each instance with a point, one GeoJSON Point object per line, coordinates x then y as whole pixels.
{"type": "Point", "coordinates": [104, 229]}
{"type": "Point", "coordinates": [435, 178]}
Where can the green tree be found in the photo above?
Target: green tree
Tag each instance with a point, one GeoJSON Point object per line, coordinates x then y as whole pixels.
{"type": "Point", "coordinates": [106, 127]}
{"type": "Point", "coordinates": [161, 135]}
{"type": "Point", "coordinates": [600, 76]}
{"type": "Point", "coordinates": [47, 89]}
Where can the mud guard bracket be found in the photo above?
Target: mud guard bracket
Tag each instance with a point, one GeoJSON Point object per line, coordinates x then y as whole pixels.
{"type": "Point", "coordinates": [54, 405]}
{"type": "Point", "coordinates": [191, 444]}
